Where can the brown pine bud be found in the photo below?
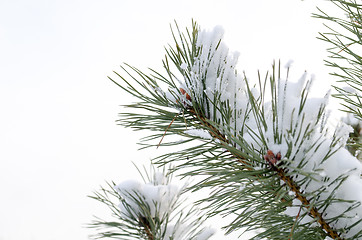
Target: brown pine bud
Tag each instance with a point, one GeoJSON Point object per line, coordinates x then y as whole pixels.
{"type": "Point", "coordinates": [185, 93]}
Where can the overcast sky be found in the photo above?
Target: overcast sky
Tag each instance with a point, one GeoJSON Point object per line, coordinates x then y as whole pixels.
{"type": "Point", "coordinates": [58, 136]}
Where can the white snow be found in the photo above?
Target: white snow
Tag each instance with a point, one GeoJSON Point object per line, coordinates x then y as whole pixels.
{"type": "Point", "coordinates": [300, 122]}
{"type": "Point", "coordinates": [183, 66]}
{"type": "Point", "coordinates": [289, 64]}
{"type": "Point", "coordinates": [199, 133]}
{"type": "Point", "coordinates": [159, 196]}
{"type": "Point", "coordinates": [315, 150]}
{"type": "Point", "coordinates": [213, 77]}
{"type": "Point", "coordinates": [206, 233]}
{"type": "Point", "coordinates": [170, 97]}
{"type": "Point", "coordinates": [160, 199]}
{"type": "Point", "coordinates": [177, 232]}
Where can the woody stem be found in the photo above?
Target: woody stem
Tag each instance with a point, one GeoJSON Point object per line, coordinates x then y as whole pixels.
{"type": "Point", "coordinates": [306, 203]}
{"type": "Point", "coordinates": [147, 228]}
{"type": "Point", "coordinates": [214, 132]}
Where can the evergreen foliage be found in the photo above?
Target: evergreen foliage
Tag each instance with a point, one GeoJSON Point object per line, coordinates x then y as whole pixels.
{"type": "Point", "coordinates": [153, 210]}
{"type": "Point", "coordinates": [344, 37]}
{"type": "Point", "coordinates": [264, 148]}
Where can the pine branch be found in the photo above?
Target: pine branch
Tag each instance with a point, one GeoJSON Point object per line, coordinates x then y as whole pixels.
{"type": "Point", "coordinates": [236, 127]}
{"type": "Point", "coordinates": [214, 132]}
{"type": "Point", "coordinates": [306, 203]}
{"type": "Point", "coordinates": [345, 39]}
{"type": "Point", "coordinates": [154, 210]}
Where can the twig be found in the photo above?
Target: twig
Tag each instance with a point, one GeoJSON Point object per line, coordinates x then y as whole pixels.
{"type": "Point", "coordinates": [288, 180]}
{"type": "Point", "coordinates": [167, 129]}
{"type": "Point", "coordinates": [345, 47]}
{"type": "Point", "coordinates": [146, 225]}
{"type": "Point", "coordinates": [313, 210]}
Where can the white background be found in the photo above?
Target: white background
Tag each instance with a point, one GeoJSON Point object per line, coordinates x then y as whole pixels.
{"type": "Point", "coordinates": [58, 137]}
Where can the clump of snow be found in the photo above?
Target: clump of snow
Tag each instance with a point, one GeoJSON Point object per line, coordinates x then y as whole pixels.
{"type": "Point", "coordinates": [289, 64]}
{"type": "Point", "coordinates": [170, 97]}
{"type": "Point", "coordinates": [159, 199]}
{"type": "Point", "coordinates": [242, 187]}
{"type": "Point", "coordinates": [177, 232]}
{"type": "Point", "coordinates": [213, 79]}
{"type": "Point", "coordinates": [159, 178]}
{"type": "Point", "coordinates": [183, 66]}
{"type": "Point", "coordinates": [157, 195]}
{"type": "Point", "coordinates": [350, 119]}
{"type": "Point", "coordinates": [199, 133]}
{"type": "Point", "coordinates": [306, 139]}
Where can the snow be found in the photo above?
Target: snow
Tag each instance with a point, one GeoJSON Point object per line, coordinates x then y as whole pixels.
{"type": "Point", "coordinates": [158, 198]}
{"type": "Point", "coordinates": [315, 150]}
{"type": "Point", "coordinates": [289, 64]}
{"type": "Point", "coordinates": [126, 189]}
{"type": "Point", "coordinates": [199, 133]}
{"type": "Point", "coordinates": [170, 97]}
{"type": "Point", "coordinates": [183, 66]}
{"type": "Point", "coordinates": [177, 232]}
{"type": "Point", "coordinates": [206, 234]}
{"type": "Point", "coordinates": [298, 127]}
{"type": "Point", "coordinates": [351, 119]}
{"type": "Point", "coordinates": [159, 178]}
{"type": "Point", "coordinates": [213, 76]}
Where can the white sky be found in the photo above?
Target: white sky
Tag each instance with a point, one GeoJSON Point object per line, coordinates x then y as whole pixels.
{"type": "Point", "coordinates": [58, 137]}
